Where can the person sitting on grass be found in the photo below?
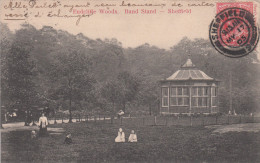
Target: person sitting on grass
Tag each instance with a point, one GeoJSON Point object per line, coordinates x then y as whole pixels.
{"type": "Point", "coordinates": [132, 137]}
{"type": "Point", "coordinates": [68, 139]}
{"type": "Point", "coordinates": [33, 134]}
{"type": "Point", "coordinates": [121, 136]}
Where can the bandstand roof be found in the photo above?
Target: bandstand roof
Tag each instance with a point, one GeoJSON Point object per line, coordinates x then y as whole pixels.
{"type": "Point", "coordinates": [188, 71]}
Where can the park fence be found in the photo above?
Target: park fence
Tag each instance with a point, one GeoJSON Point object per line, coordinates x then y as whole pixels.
{"type": "Point", "coordinates": [201, 120]}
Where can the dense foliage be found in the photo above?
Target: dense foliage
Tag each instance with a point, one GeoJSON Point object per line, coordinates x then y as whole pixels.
{"type": "Point", "coordinates": [49, 67]}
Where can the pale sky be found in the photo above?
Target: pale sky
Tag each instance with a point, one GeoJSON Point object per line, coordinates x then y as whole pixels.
{"type": "Point", "coordinates": [161, 29]}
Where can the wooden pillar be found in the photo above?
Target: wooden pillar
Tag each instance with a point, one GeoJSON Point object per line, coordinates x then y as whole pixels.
{"type": "Point", "coordinates": [217, 99]}
{"type": "Point", "coordinates": [178, 117]}
{"type": "Point", "coordinates": [190, 120]}
{"type": "Point", "coordinates": [160, 103]}
{"type": "Point", "coordinates": [159, 106]}
{"type": "Point", "coordinates": [230, 92]}
{"type": "Point", "coordinates": [210, 100]}
{"type": "Point", "coordinates": [190, 89]}
{"type": "Point", "coordinates": [169, 99]}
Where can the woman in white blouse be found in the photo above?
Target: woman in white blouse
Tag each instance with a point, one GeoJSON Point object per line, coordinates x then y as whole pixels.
{"type": "Point", "coordinates": [43, 123]}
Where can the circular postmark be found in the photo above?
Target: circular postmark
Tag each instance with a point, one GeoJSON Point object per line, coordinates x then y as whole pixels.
{"type": "Point", "coordinates": [233, 32]}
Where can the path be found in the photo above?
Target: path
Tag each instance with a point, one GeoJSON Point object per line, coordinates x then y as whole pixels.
{"type": "Point", "coordinates": [247, 127]}
{"type": "Point", "coordinates": [20, 125]}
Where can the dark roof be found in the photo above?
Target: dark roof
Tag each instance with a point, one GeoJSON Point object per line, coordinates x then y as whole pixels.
{"type": "Point", "coordinates": [188, 71]}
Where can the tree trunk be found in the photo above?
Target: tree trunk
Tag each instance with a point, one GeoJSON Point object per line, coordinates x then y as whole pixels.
{"type": "Point", "coordinates": [26, 118]}
{"type": "Point", "coordinates": [113, 106]}
{"type": "Point", "coordinates": [70, 95]}
{"type": "Point", "coordinates": [124, 106]}
{"type": "Point", "coordinates": [150, 109]}
{"type": "Point", "coordinates": [1, 124]}
{"type": "Point", "coordinates": [70, 120]}
{"type": "Point", "coordinates": [55, 122]}
{"type": "Point", "coordinates": [33, 119]}
{"type": "Point", "coordinates": [54, 112]}
{"type": "Point", "coordinates": [33, 122]}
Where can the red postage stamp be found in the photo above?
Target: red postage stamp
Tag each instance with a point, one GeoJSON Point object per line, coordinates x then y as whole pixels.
{"type": "Point", "coordinates": [234, 31]}
{"type": "Point", "coordinates": [249, 6]}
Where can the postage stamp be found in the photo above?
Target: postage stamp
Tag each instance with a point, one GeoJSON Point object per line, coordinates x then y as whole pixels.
{"type": "Point", "coordinates": [249, 6]}
{"type": "Point", "coordinates": [234, 31]}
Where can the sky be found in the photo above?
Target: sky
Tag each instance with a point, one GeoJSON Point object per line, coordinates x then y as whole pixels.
{"type": "Point", "coordinates": [161, 29]}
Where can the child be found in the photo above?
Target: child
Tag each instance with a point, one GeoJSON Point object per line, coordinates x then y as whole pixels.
{"type": "Point", "coordinates": [132, 137]}
{"type": "Point", "coordinates": [68, 139]}
{"type": "Point", "coordinates": [33, 134]}
{"type": "Point", "coordinates": [120, 137]}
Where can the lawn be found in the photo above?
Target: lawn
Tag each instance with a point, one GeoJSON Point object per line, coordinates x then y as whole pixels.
{"type": "Point", "coordinates": [94, 142]}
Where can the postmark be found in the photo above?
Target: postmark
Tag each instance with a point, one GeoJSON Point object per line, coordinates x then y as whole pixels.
{"type": "Point", "coordinates": [234, 32]}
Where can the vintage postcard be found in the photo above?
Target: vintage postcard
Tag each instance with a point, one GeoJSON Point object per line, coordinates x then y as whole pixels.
{"type": "Point", "coordinates": [130, 80]}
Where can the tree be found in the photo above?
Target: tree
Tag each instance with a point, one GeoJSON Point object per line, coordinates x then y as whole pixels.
{"type": "Point", "coordinates": [121, 90]}
{"type": "Point", "coordinates": [148, 95]}
{"type": "Point", "coordinates": [71, 78]}
{"type": "Point", "coordinates": [128, 85]}
{"type": "Point", "coordinates": [108, 60]}
{"type": "Point", "coordinates": [5, 45]}
{"type": "Point", "coordinates": [110, 91]}
{"type": "Point", "coordinates": [18, 74]}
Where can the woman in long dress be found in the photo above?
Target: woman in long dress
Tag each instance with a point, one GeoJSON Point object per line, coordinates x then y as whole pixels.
{"type": "Point", "coordinates": [43, 123]}
{"type": "Point", "coordinates": [120, 137]}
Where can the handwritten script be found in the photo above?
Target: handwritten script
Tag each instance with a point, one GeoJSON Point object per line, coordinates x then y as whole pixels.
{"type": "Point", "coordinates": [25, 10]}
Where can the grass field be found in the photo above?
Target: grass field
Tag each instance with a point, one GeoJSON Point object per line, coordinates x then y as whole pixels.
{"type": "Point", "coordinates": [94, 142]}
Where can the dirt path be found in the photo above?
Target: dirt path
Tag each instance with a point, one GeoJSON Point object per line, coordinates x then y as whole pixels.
{"type": "Point", "coordinates": [248, 127]}
{"type": "Point", "coordinates": [20, 125]}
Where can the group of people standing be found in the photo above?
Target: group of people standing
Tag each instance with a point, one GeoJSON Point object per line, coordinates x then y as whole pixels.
{"type": "Point", "coordinates": [121, 136]}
